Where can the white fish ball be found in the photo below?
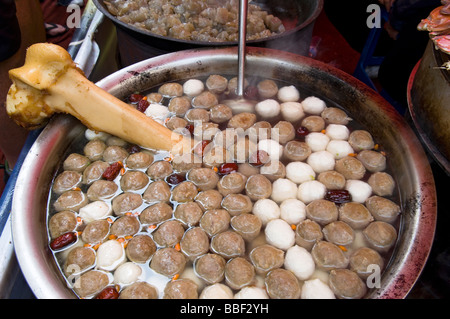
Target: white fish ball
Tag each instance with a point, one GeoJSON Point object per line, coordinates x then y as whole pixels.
{"type": "Point", "coordinates": [280, 234]}
{"type": "Point", "coordinates": [90, 135]}
{"type": "Point", "coordinates": [312, 190]}
{"type": "Point", "coordinates": [339, 149]}
{"type": "Point", "coordinates": [288, 94]}
{"type": "Point", "coordinates": [313, 105]}
{"type": "Point", "coordinates": [293, 211]}
{"type": "Point", "coordinates": [110, 255]}
{"type": "Point", "coordinates": [337, 132]}
{"type": "Point", "coordinates": [157, 111]}
{"type": "Point", "coordinates": [193, 87]}
{"type": "Point", "coordinates": [292, 111]}
{"type": "Point", "coordinates": [127, 273]}
{"type": "Point", "coordinates": [266, 209]}
{"type": "Point", "coordinates": [316, 289]}
{"type": "Point", "coordinates": [272, 147]}
{"type": "Point", "coordinates": [300, 172]}
{"type": "Point", "coordinates": [317, 141]}
{"type": "Point", "coordinates": [321, 161]}
{"type": "Point", "coordinates": [283, 189]}
{"type": "Point", "coordinates": [95, 210]}
{"type": "Point", "coordinates": [268, 108]}
{"type": "Point", "coordinates": [251, 292]}
{"type": "Point", "coordinates": [359, 190]}
{"type": "Point", "coordinates": [298, 260]}
{"type": "Point", "coordinates": [216, 291]}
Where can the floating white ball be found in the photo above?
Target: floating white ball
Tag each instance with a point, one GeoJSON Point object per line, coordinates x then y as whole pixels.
{"type": "Point", "coordinates": [288, 94]}
{"type": "Point", "coordinates": [359, 190]}
{"type": "Point", "coordinates": [216, 291]}
{"type": "Point", "coordinates": [280, 234]}
{"type": "Point", "coordinates": [292, 111]}
{"type": "Point", "coordinates": [110, 255]}
{"type": "Point", "coordinates": [321, 161]}
{"type": "Point", "coordinates": [251, 292]}
{"type": "Point", "coordinates": [283, 189]}
{"type": "Point", "coordinates": [95, 210]}
{"type": "Point", "coordinates": [298, 260]}
{"type": "Point", "coordinates": [312, 190]}
{"type": "Point", "coordinates": [127, 273]}
{"type": "Point", "coordinates": [268, 108]}
{"type": "Point", "coordinates": [272, 147]}
{"type": "Point", "coordinates": [316, 289]}
{"type": "Point", "coordinates": [313, 105]}
{"type": "Point", "coordinates": [317, 141]}
{"type": "Point", "coordinates": [339, 149]}
{"type": "Point", "coordinates": [266, 209]}
{"type": "Point", "coordinates": [300, 172]}
{"type": "Point", "coordinates": [337, 132]}
{"type": "Point", "coordinates": [193, 87]}
{"type": "Point", "coordinates": [293, 211]}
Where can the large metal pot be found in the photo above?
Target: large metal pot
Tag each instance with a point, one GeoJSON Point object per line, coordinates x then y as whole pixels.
{"type": "Point", "coordinates": [136, 44]}
{"type": "Point", "coordinates": [407, 159]}
{"type": "Point", "coordinates": [429, 104]}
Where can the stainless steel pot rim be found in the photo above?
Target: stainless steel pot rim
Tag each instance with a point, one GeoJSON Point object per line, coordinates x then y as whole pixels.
{"type": "Point", "coordinates": [32, 250]}
{"type": "Point", "coordinates": [123, 25]}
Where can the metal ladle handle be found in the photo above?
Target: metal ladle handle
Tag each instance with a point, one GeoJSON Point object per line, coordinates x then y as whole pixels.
{"type": "Point", "coordinates": [243, 4]}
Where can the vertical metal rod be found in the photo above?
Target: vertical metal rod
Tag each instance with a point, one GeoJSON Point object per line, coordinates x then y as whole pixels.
{"type": "Point", "coordinates": [243, 4]}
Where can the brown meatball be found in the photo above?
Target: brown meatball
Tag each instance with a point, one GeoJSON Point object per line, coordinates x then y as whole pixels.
{"type": "Point", "coordinates": [76, 162]}
{"type": "Point", "coordinates": [188, 213]}
{"type": "Point", "coordinates": [355, 214]}
{"type": "Point", "coordinates": [139, 160]}
{"type": "Point", "coordinates": [94, 172]}
{"type": "Point", "coordinates": [258, 187]}
{"type": "Point", "coordinates": [382, 184]}
{"type": "Point", "coordinates": [373, 161]}
{"type": "Point", "coordinates": [65, 181]}
{"type": "Point", "coordinates": [61, 223]}
{"type": "Point", "coordinates": [215, 221]}
{"type": "Point", "coordinates": [205, 100]}
{"type": "Point", "coordinates": [267, 89]}
{"type": "Point", "coordinates": [159, 170]}
{"type": "Point", "coordinates": [125, 226]}
{"type": "Point", "coordinates": [380, 235]}
{"type": "Point", "coordinates": [346, 284]}
{"type": "Point", "coordinates": [116, 141]}
{"type": "Point", "coordinates": [169, 233]}
{"type": "Point", "coordinates": [154, 97]}
{"type": "Point", "coordinates": [361, 140]}
{"type": "Point", "coordinates": [322, 211]}
{"type": "Point", "coordinates": [261, 130]}
{"type": "Point", "coordinates": [140, 248]}
{"type": "Point", "coordinates": [204, 178]}
{"type": "Point", "coordinates": [228, 244]}
{"type": "Point", "coordinates": [79, 259]}
{"type": "Point", "coordinates": [71, 200]}
{"type": "Point", "coordinates": [339, 233]}
{"type": "Point", "coordinates": [171, 89]}
{"type": "Point", "coordinates": [237, 204]}
{"type": "Point", "coordinates": [179, 105]}
{"type": "Point", "coordinates": [158, 191]}
{"type": "Point", "coordinates": [308, 233]}
{"type": "Point", "coordinates": [181, 289]}
{"type": "Point", "coordinates": [101, 189]}
{"type": "Point", "coordinates": [334, 115]}
{"type": "Point", "coordinates": [220, 113]}
{"type": "Point", "coordinates": [216, 156]}
{"type": "Point", "coordinates": [210, 267]}
{"type": "Point", "coordinates": [239, 273]}
{"type": "Point", "coordinates": [90, 283]}
{"type": "Point", "coordinates": [273, 170]}
{"type": "Point", "coordinates": [247, 225]}
{"type": "Point", "coordinates": [283, 132]}
{"type": "Point", "coordinates": [184, 192]}
{"type": "Point", "coordinates": [114, 154]}
{"type": "Point", "coordinates": [139, 290]}
{"type": "Point", "coordinates": [133, 181]}
{"type": "Point", "coordinates": [168, 262]}
{"type": "Point", "coordinates": [156, 213]}
{"type": "Point", "coordinates": [197, 115]}
{"type": "Point", "coordinates": [313, 123]}
{"type": "Point", "coordinates": [266, 258]}
{"type": "Point", "coordinates": [186, 162]}
{"type": "Point", "coordinates": [296, 151]}
{"type": "Point", "coordinates": [216, 83]}
{"type": "Point", "coordinates": [195, 242]}
{"type": "Point", "coordinates": [282, 284]}
{"type": "Point", "coordinates": [363, 260]}
{"type": "Point", "coordinates": [242, 120]}
{"type": "Point", "coordinates": [328, 256]}
{"type": "Point", "coordinates": [248, 169]}
{"type": "Point", "coordinates": [350, 167]}
{"type": "Point", "coordinates": [94, 149]}
{"type": "Point", "coordinates": [178, 124]}
{"type": "Point", "coordinates": [232, 183]}
{"type": "Point", "coordinates": [382, 209]}
{"type": "Point", "coordinates": [95, 231]}
{"type": "Point", "coordinates": [332, 180]}
{"type": "Point", "coordinates": [126, 202]}
{"type": "Point", "coordinates": [209, 199]}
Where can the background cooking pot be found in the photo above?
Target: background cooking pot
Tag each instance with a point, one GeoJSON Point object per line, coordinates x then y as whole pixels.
{"type": "Point", "coordinates": [298, 16]}
{"type": "Point", "coordinates": [406, 157]}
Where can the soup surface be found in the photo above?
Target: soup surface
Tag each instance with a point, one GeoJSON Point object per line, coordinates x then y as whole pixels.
{"type": "Point", "coordinates": [287, 197]}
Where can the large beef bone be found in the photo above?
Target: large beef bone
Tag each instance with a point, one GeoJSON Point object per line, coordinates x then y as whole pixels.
{"type": "Point", "coordinates": [49, 82]}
